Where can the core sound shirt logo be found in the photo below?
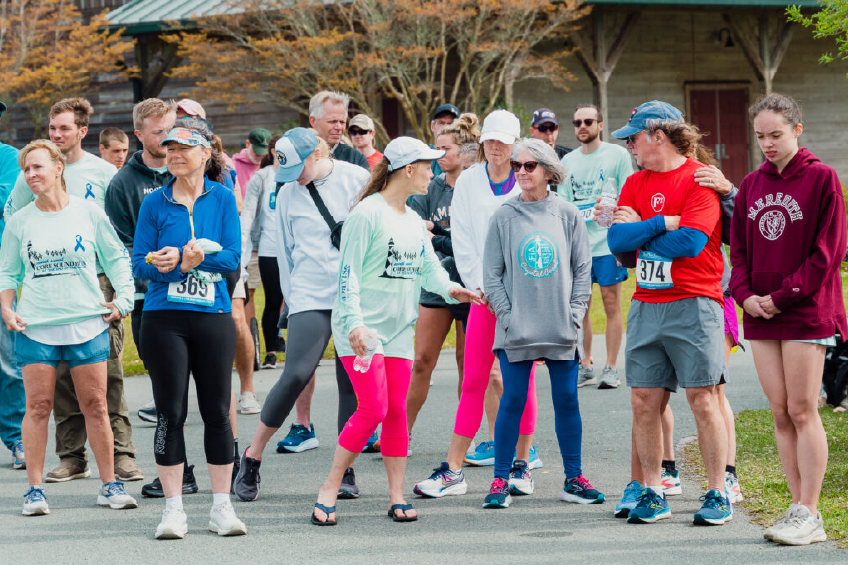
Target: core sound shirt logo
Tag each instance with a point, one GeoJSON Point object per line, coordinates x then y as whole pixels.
{"type": "Point", "coordinates": [402, 262]}
{"type": "Point", "coordinates": [538, 255]}
{"type": "Point", "coordinates": [51, 262]}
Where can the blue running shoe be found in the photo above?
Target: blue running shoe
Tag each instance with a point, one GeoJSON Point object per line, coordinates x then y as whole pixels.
{"type": "Point", "coordinates": [716, 510]}
{"type": "Point", "coordinates": [498, 496]}
{"type": "Point", "coordinates": [300, 438]}
{"type": "Point", "coordinates": [580, 491]}
{"type": "Point", "coordinates": [628, 499]}
{"type": "Point", "coordinates": [373, 445]}
{"type": "Point", "coordinates": [35, 502]}
{"type": "Point", "coordinates": [484, 455]}
{"type": "Point", "coordinates": [534, 462]}
{"type": "Point", "coordinates": [649, 508]}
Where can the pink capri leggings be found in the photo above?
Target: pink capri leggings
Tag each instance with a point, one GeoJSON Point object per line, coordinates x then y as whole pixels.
{"type": "Point", "coordinates": [381, 398]}
{"type": "Point", "coordinates": [479, 337]}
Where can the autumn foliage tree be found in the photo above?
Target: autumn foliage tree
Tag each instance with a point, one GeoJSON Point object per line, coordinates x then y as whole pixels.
{"type": "Point", "coordinates": [421, 53]}
{"type": "Point", "coordinates": [48, 53]}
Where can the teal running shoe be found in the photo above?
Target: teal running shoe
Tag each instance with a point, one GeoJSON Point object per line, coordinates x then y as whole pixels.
{"type": "Point", "coordinates": [580, 491]}
{"type": "Point", "coordinates": [373, 445]}
{"type": "Point", "coordinates": [650, 508]}
{"type": "Point", "coordinates": [484, 455]}
{"type": "Point", "coordinates": [498, 496]}
{"type": "Point", "coordinates": [715, 511]}
{"type": "Point", "coordinates": [628, 499]}
{"type": "Point", "coordinates": [300, 438]}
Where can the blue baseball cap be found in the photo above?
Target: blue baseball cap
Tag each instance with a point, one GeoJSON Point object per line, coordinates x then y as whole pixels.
{"type": "Point", "coordinates": [649, 111]}
{"type": "Point", "coordinates": [291, 151]}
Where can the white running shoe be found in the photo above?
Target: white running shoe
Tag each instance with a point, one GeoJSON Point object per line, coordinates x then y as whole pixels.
{"type": "Point", "coordinates": [731, 485]}
{"type": "Point", "coordinates": [114, 496]}
{"type": "Point", "coordinates": [224, 522]}
{"type": "Point", "coordinates": [802, 528]}
{"type": "Point", "coordinates": [174, 524]}
{"type": "Point", "coordinates": [443, 482]}
{"type": "Point", "coordinates": [780, 523]}
{"type": "Point", "coordinates": [35, 502]}
{"type": "Point", "coordinates": [671, 483]}
{"type": "Point", "coordinates": [249, 404]}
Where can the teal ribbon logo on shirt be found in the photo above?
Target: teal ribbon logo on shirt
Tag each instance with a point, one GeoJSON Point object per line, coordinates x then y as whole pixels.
{"type": "Point", "coordinates": [538, 255]}
{"type": "Point", "coordinates": [78, 246]}
{"type": "Point", "coordinates": [88, 192]}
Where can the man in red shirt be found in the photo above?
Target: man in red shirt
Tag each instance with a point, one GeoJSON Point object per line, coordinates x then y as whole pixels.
{"type": "Point", "coordinates": [361, 130]}
{"type": "Point", "coordinates": [675, 324]}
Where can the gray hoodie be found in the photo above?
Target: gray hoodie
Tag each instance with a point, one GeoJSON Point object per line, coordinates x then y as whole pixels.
{"type": "Point", "coordinates": [537, 266]}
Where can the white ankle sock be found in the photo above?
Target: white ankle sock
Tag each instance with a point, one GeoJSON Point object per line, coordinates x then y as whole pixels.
{"type": "Point", "coordinates": [658, 490]}
{"type": "Point", "coordinates": [175, 503]}
{"type": "Point", "coordinates": [219, 499]}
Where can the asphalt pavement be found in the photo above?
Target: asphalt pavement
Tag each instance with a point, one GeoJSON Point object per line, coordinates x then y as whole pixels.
{"type": "Point", "coordinates": [535, 529]}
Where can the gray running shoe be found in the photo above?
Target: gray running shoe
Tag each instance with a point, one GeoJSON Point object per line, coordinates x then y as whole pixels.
{"type": "Point", "coordinates": [609, 378]}
{"type": "Point", "coordinates": [585, 376]}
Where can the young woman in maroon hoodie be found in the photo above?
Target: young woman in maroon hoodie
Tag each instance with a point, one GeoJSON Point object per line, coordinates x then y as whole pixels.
{"type": "Point", "coordinates": [788, 240]}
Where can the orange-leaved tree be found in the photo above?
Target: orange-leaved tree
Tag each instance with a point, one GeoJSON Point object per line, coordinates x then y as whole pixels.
{"type": "Point", "coordinates": [420, 52]}
{"type": "Point", "coordinates": [48, 53]}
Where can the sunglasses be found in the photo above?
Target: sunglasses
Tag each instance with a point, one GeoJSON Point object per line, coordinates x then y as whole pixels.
{"type": "Point", "coordinates": [529, 166]}
{"type": "Point", "coordinates": [631, 139]}
{"type": "Point", "coordinates": [546, 128]}
{"type": "Point", "coordinates": [589, 122]}
{"type": "Point", "coordinates": [357, 131]}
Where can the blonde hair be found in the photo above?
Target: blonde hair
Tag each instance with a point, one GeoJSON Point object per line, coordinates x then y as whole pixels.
{"type": "Point", "coordinates": [108, 135]}
{"type": "Point", "coordinates": [56, 156]}
{"type": "Point", "coordinates": [323, 147]}
{"type": "Point", "coordinates": [79, 106]}
{"type": "Point", "coordinates": [464, 129]}
{"type": "Point", "coordinates": [152, 107]}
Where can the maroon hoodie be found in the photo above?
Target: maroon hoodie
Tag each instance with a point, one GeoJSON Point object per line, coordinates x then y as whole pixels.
{"type": "Point", "coordinates": [788, 239]}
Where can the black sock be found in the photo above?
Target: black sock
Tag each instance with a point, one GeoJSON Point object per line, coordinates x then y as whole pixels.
{"type": "Point", "coordinates": [668, 466]}
{"type": "Point", "coordinates": [730, 469]}
{"type": "Point", "coordinates": [236, 449]}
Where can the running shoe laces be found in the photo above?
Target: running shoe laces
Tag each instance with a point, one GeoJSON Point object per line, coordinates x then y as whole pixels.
{"type": "Point", "coordinates": [441, 472]}
{"type": "Point", "coordinates": [713, 499]}
{"type": "Point", "coordinates": [34, 495]}
{"type": "Point", "coordinates": [251, 473]}
{"type": "Point", "coordinates": [583, 483]}
{"type": "Point", "coordinates": [649, 499]}
{"type": "Point", "coordinates": [499, 486]}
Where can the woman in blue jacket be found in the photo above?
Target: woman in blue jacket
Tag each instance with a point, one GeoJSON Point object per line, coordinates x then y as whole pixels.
{"type": "Point", "coordinates": [187, 236]}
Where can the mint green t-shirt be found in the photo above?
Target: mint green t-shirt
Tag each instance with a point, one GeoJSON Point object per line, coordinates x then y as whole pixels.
{"type": "Point", "coordinates": [584, 180]}
{"type": "Point", "coordinates": [386, 258]}
{"type": "Point", "coordinates": [53, 254]}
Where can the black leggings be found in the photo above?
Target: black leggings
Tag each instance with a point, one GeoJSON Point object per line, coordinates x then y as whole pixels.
{"type": "Point", "coordinates": [309, 333]}
{"type": "Point", "coordinates": [269, 272]}
{"type": "Point", "coordinates": [178, 343]}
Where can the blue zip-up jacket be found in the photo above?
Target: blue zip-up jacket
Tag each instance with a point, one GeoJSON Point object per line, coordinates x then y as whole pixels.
{"type": "Point", "coordinates": [162, 221]}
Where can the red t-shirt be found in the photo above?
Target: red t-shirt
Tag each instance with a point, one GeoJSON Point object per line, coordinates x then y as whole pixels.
{"type": "Point", "coordinates": [675, 193]}
{"type": "Point", "coordinates": [374, 159]}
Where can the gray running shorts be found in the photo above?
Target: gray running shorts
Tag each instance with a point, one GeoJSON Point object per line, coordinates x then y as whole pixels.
{"type": "Point", "coordinates": [675, 343]}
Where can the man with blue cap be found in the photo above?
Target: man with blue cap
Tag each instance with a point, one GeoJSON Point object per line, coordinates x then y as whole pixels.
{"type": "Point", "coordinates": [675, 325]}
{"type": "Point", "coordinates": [12, 400]}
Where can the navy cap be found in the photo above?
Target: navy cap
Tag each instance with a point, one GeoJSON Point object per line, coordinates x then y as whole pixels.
{"type": "Point", "coordinates": [446, 109]}
{"type": "Point", "coordinates": [647, 112]}
{"type": "Point", "coordinates": [543, 116]}
{"type": "Point", "coordinates": [2, 108]}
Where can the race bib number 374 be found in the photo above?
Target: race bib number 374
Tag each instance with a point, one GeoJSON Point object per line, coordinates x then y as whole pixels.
{"type": "Point", "coordinates": [192, 291]}
{"type": "Point", "coordinates": [653, 271]}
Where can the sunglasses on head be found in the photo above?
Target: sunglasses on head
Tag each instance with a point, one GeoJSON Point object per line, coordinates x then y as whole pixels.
{"type": "Point", "coordinates": [357, 131]}
{"type": "Point", "coordinates": [589, 122]}
{"type": "Point", "coordinates": [529, 166]}
{"type": "Point", "coordinates": [545, 128]}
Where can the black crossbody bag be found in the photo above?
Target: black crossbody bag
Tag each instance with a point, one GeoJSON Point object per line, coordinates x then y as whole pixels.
{"type": "Point", "coordinates": [335, 227]}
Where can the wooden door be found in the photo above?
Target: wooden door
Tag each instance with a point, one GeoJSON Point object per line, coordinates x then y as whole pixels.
{"type": "Point", "coordinates": [721, 115]}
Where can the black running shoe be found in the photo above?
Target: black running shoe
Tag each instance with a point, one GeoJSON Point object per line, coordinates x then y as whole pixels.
{"type": "Point", "coordinates": [246, 484]}
{"type": "Point", "coordinates": [154, 489]}
{"type": "Point", "coordinates": [348, 489]}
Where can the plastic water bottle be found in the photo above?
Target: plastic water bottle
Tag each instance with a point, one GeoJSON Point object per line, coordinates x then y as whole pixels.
{"type": "Point", "coordinates": [609, 199]}
{"type": "Point", "coordinates": [362, 364]}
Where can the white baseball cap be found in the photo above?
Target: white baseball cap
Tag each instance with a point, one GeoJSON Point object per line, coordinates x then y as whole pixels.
{"type": "Point", "coordinates": [404, 151]}
{"type": "Point", "coordinates": [501, 125]}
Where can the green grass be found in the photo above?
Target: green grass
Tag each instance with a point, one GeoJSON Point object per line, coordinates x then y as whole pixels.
{"type": "Point", "coordinates": [761, 474]}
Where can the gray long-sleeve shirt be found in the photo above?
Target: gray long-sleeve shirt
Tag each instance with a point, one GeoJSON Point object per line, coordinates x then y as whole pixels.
{"type": "Point", "coordinates": [536, 270]}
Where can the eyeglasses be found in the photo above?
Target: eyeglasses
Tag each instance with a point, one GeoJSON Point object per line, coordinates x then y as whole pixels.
{"type": "Point", "coordinates": [631, 139]}
{"type": "Point", "coordinates": [357, 131]}
{"type": "Point", "coordinates": [529, 166]}
{"type": "Point", "coordinates": [589, 122]}
{"type": "Point", "coordinates": [545, 128]}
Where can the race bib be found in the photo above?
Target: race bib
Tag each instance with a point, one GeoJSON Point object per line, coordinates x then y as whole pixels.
{"type": "Point", "coordinates": [587, 211]}
{"type": "Point", "coordinates": [653, 272]}
{"type": "Point", "coordinates": [192, 291]}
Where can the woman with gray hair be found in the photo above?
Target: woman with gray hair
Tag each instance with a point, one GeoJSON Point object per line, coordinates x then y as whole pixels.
{"type": "Point", "coordinates": [537, 245]}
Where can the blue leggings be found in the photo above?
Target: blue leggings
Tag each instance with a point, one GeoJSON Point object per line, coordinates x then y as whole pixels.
{"type": "Point", "coordinates": [569, 426]}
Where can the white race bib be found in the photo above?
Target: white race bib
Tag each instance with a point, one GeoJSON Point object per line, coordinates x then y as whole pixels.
{"type": "Point", "coordinates": [587, 211]}
{"type": "Point", "coordinates": [192, 291]}
{"type": "Point", "coordinates": [653, 271]}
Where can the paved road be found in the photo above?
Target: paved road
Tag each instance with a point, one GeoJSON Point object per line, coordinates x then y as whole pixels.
{"type": "Point", "coordinates": [536, 529]}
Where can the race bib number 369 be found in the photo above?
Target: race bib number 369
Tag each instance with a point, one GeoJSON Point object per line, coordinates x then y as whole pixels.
{"type": "Point", "coordinates": [653, 271]}
{"type": "Point", "coordinates": [192, 291]}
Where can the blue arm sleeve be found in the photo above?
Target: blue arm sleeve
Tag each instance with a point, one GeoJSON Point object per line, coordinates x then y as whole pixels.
{"type": "Point", "coordinates": [685, 242]}
{"type": "Point", "coordinates": [629, 237]}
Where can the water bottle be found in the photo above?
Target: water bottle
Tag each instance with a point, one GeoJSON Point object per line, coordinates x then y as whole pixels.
{"type": "Point", "coordinates": [362, 364]}
{"type": "Point", "coordinates": [609, 199]}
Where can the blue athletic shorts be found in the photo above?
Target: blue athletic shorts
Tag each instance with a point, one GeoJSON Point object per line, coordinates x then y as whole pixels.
{"type": "Point", "coordinates": [607, 271]}
{"type": "Point", "coordinates": [29, 351]}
